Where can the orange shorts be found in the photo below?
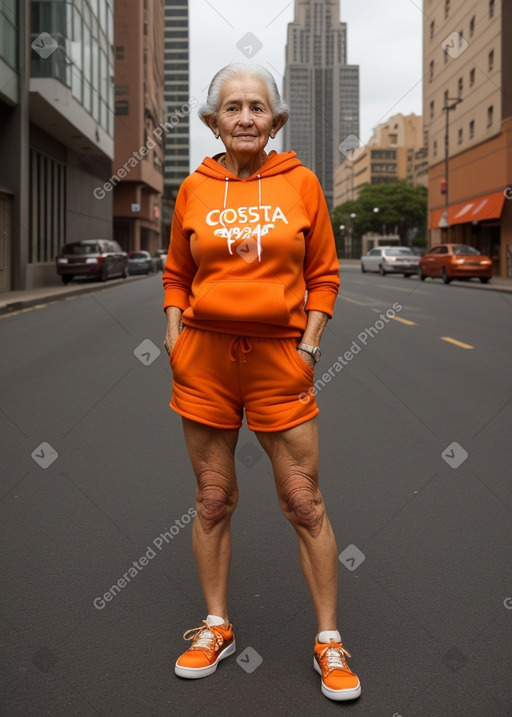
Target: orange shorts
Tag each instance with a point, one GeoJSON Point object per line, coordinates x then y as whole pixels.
{"type": "Point", "coordinates": [216, 376]}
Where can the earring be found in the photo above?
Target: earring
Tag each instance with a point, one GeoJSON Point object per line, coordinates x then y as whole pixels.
{"type": "Point", "coordinates": [216, 136]}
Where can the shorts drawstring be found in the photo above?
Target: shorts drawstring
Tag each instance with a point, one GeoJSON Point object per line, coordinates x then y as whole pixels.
{"type": "Point", "coordinates": [241, 342]}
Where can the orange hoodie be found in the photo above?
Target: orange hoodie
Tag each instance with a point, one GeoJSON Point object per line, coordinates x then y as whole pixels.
{"type": "Point", "coordinates": [251, 256]}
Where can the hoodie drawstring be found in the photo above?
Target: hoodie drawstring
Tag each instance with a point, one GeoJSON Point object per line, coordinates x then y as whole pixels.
{"type": "Point", "coordinates": [258, 227]}
{"type": "Point", "coordinates": [258, 240]}
{"type": "Point", "coordinates": [239, 342]}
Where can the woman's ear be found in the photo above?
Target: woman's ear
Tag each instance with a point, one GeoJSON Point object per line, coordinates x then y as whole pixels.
{"type": "Point", "coordinates": [211, 121]}
{"type": "Point", "coordinates": [278, 123]}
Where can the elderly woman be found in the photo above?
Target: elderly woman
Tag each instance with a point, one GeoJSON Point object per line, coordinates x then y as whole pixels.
{"type": "Point", "coordinates": [250, 282]}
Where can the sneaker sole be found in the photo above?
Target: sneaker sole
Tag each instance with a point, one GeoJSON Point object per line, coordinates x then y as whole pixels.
{"type": "Point", "coordinates": [194, 673]}
{"type": "Point", "coordinates": [339, 695]}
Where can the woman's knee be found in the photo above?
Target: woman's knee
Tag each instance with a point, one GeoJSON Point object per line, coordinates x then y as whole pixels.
{"type": "Point", "coordinates": [216, 498]}
{"type": "Point", "coordinates": [302, 503]}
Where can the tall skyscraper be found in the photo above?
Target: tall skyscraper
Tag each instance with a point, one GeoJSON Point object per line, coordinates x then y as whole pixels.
{"type": "Point", "coordinates": [177, 102]}
{"type": "Point", "coordinates": [321, 89]}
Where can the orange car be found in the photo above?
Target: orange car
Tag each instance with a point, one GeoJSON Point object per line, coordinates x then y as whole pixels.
{"type": "Point", "coordinates": [455, 261]}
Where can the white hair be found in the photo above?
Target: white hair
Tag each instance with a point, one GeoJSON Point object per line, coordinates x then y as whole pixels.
{"type": "Point", "coordinates": [240, 69]}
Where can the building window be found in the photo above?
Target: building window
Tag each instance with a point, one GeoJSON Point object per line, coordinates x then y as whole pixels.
{"type": "Point", "coordinates": [472, 77]}
{"type": "Point", "coordinates": [491, 8]}
{"type": "Point", "coordinates": [432, 110]}
{"type": "Point", "coordinates": [446, 8]}
{"type": "Point", "coordinates": [461, 86]}
{"type": "Point", "coordinates": [432, 29]}
{"type": "Point", "coordinates": [47, 213]}
{"type": "Point", "coordinates": [471, 129]}
{"type": "Point", "coordinates": [472, 26]}
{"type": "Point", "coordinates": [431, 70]}
{"type": "Point", "coordinates": [435, 148]}
{"type": "Point", "coordinates": [8, 42]}
{"type": "Point", "coordinates": [119, 52]}
{"type": "Point", "coordinates": [491, 61]}
{"type": "Point", "coordinates": [490, 115]}
{"type": "Point", "coordinates": [460, 136]}
{"type": "Point", "coordinates": [122, 107]}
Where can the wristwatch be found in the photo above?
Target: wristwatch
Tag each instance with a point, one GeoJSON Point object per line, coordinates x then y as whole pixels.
{"type": "Point", "coordinates": [313, 350]}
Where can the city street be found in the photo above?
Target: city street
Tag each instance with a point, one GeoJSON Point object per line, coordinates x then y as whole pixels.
{"type": "Point", "coordinates": [96, 498]}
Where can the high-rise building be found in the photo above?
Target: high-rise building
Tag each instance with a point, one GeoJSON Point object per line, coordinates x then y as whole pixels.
{"type": "Point", "coordinates": [395, 152]}
{"type": "Point", "coordinates": [178, 105]}
{"type": "Point", "coordinates": [321, 89]}
{"type": "Point", "coordinates": [139, 139]}
{"type": "Point", "coordinates": [56, 132]}
{"type": "Point", "coordinates": [467, 113]}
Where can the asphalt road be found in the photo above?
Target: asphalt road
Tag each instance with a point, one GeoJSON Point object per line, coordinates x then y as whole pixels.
{"type": "Point", "coordinates": [415, 470]}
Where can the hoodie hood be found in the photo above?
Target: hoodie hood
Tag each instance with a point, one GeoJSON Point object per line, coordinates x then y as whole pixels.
{"type": "Point", "coordinates": [276, 163]}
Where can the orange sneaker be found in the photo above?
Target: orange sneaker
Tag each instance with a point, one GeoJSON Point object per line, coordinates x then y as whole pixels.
{"type": "Point", "coordinates": [210, 645]}
{"type": "Point", "coordinates": [338, 682]}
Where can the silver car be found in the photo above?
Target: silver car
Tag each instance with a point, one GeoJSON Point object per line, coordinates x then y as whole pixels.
{"type": "Point", "coordinates": [390, 260]}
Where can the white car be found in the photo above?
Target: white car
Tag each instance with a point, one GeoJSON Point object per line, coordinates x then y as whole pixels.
{"type": "Point", "coordinates": [390, 260]}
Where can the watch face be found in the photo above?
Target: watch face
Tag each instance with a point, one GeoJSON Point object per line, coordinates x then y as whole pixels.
{"type": "Point", "coordinates": [316, 354]}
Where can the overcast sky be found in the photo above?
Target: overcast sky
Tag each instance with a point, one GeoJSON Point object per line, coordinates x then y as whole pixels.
{"type": "Point", "coordinates": [384, 38]}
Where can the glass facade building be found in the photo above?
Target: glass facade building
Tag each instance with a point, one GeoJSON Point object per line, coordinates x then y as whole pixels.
{"type": "Point", "coordinates": [83, 58]}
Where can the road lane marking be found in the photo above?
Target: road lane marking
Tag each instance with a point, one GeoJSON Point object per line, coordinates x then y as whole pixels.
{"type": "Point", "coordinates": [407, 322]}
{"type": "Point", "coordinates": [353, 301]}
{"type": "Point", "coordinates": [460, 344]}
{"type": "Point", "coordinates": [399, 288]}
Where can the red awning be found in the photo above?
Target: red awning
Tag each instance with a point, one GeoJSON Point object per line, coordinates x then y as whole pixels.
{"type": "Point", "coordinates": [489, 206]}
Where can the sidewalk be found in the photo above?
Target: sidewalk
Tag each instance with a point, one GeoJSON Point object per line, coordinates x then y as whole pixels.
{"type": "Point", "coordinates": [14, 301]}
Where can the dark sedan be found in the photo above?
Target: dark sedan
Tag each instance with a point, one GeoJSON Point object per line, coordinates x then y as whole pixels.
{"type": "Point", "coordinates": [100, 258]}
{"type": "Point", "coordinates": [140, 262]}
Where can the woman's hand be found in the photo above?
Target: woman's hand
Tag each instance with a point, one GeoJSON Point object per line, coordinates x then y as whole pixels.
{"type": "Point", "coordinates": [173, 327]}
{"type": "Point", "coordinates": [307, 358]}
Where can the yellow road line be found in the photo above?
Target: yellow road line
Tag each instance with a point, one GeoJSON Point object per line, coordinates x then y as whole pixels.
{"type": "Point", "coordinates": [460, 344]}
{"type": "Point", "coordinates": [407, 322]}
{"type": "Point", "coordinates": [353, 301]}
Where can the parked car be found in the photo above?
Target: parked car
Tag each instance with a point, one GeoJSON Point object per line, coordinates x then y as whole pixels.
{"type": "Point", "coordinates": [160, 259]}
{"type": "Point", "coordinates": [140, 262]}
{"type": "Point", "coordinates": [100, 258]}
{"type": "Point", "coordinates": [390, 260]}
{"type": "Point", "coordinates": [455, 261]}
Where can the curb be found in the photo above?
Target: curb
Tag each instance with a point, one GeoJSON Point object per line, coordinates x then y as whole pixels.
{"type": "Point", "coordinates": [52, 295]}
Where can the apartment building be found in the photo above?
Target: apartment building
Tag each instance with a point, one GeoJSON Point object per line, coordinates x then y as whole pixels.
{"type": "Point", "coordinates": [467, 105]}
{"type": "Point", "coordinates": [137, 180]}
{"type": "Point", "coordinates": [395, 152]}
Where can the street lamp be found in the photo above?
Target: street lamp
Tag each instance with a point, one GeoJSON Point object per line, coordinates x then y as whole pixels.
{"type": "Point", "coordinates": [451, 104]}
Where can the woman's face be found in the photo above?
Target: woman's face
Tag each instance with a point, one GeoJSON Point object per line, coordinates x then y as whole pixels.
{"type": "Point", "coordinates": [244, 119]}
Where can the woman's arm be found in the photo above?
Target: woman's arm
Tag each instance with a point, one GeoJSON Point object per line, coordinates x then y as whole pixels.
{"type": "Point", "coordinates": [313, 333]}
{"type": "Point", "coordinates": [173, 314]}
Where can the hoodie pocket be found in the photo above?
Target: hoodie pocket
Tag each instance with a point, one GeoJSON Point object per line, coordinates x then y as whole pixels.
{"type": "Point", "coordinates": [260, 301]}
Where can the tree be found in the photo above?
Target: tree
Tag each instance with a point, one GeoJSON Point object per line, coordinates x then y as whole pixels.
{"type": "Point", "coordinates": [399, 206]}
